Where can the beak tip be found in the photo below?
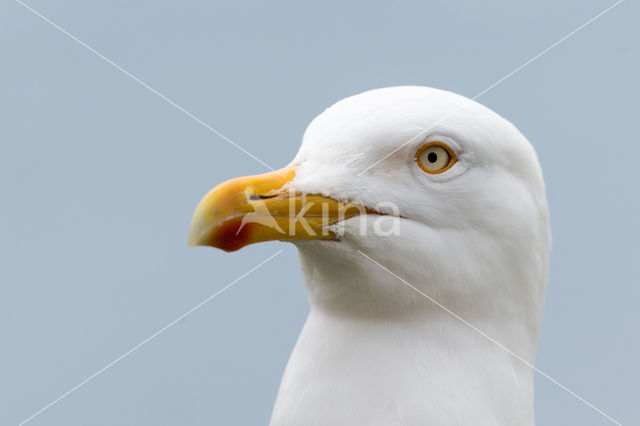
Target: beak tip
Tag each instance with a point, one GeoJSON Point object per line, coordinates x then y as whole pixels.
{"type": "Point", "coordinates": [195, 237]}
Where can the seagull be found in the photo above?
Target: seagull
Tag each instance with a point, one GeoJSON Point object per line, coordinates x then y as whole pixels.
{"type": "Point", "coordinates": [422, 227]}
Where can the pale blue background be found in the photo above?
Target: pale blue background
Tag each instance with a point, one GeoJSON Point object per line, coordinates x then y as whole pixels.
{"type": "Point", "coordinates": [99, 178]}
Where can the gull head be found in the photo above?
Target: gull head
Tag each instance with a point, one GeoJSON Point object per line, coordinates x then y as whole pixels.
{"type": "Point", "coordinates": [422, 227]}
{"type": "Point", "coordinates": [405, 184]}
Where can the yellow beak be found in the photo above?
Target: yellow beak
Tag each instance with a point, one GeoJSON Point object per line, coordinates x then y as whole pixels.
{"type": "Point", "coordinates": [253, 209]}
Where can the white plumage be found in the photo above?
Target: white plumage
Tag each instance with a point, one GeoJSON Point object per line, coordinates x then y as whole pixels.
{"type": "Point", "coordinates": [476, 239]}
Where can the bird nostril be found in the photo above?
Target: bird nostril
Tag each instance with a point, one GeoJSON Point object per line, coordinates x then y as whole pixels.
{"type": "Point", "coordinates": [254, 197]}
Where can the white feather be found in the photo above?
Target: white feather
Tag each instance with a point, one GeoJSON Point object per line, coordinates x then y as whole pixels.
{"type": "Point", "coordinates": [476, 239]}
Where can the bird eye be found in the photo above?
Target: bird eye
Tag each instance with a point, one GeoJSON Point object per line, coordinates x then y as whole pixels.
{"type": "Point", "coordinates": [435, 157]}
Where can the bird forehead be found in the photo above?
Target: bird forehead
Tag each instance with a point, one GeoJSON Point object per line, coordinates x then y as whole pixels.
{"type": "Point", "coordinates": [380, 131]}
{"type": "Point", "coordinates": [389, 118]}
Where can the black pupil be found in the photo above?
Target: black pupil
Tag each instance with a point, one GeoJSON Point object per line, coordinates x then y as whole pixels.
{"type": "Point", "coordinates": [432, 157]}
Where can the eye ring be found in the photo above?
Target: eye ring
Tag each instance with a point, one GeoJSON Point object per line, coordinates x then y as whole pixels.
{"type": "Point", "coordinates": [435, 157]}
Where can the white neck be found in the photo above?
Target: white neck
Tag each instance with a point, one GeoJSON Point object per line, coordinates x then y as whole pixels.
{"type": "Point", "coordinates": [341, 374]}
{"type": "Point", "coordinates": [406, 361]}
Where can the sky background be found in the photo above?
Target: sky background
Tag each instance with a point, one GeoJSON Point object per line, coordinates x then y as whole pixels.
{"type": "Point", "coordinates": [99, 177]}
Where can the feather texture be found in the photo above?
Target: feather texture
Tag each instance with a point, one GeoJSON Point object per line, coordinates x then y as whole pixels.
{"type": "Point", "coordinates": [476, 239]}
